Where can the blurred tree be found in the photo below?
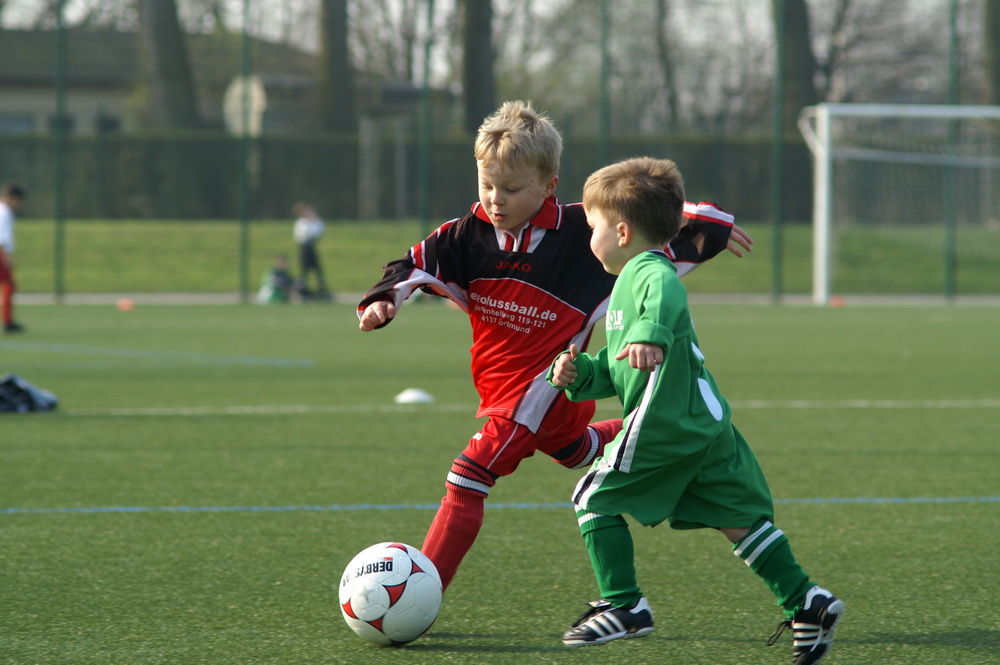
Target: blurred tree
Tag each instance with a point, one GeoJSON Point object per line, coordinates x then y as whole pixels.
{"type": "Point", "coordinates": [991, 38]}
{"type": "Point", "coordinates": [120, 14]}
{"type": "Point", "coordinates": [384, 39]}
{"type": "Point", "coordinates": [477, 74]}
{"type": "Point", "coordinates": [799, 66]}
{"type": "Point", "coordinates": [206, 16]}
{"type": "Point", "coordinates": [888, 51]}
{"type": "Point", "coordinates": [549, 54]}
{"type": "Point", "coordinates": [676, 66]}
{"type": "Point", "coordinates": [336, 74]}
{"type": "Point", "coordinates": [665, 51]}
{"type": "Point", "coordinates": [174, 102]}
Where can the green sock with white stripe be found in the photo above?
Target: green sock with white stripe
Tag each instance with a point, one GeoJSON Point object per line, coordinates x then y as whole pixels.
{"type": "Point", "coordinates": [612, 555]}
{"type": "Point", "coordinates": [766, 551]}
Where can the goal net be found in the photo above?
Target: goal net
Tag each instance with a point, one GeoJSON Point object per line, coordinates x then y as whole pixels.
{"type": "Point", "coordinates": [906, 199]}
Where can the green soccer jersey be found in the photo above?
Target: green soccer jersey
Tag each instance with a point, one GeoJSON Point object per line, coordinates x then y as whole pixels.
{"type": "Point", "coordinates": [678, 455]}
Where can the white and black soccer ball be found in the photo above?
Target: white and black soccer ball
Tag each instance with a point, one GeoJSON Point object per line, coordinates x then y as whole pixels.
{"type": "Point", "coordinates": [390, 594]}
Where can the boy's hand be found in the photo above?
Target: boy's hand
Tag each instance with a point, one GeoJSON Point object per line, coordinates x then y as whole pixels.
{"type": "Point", "coordinates": [642, 356]}
{"type": "Point", "coordinates": [739, 238]}
{"type": "Point", "coordinates": [376, 314]}
{"type": "Point", "coordinates": [564, 369]}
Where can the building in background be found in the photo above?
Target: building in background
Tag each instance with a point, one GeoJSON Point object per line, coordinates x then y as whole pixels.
{"type": "Point", "coordinates": [106, 87]}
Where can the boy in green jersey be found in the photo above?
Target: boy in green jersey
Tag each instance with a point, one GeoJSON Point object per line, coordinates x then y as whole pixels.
{"type": "Point", "coordinates": [678, 456]}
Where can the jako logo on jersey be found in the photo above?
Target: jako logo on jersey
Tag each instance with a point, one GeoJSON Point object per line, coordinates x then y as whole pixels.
{"type": "Point", "coordinates": [613, 320]}
{"type": "Point", "coordinates": [513, 265]}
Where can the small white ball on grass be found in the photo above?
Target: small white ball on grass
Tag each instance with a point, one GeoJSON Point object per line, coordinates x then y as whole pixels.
{"type": "Point", "coordinates": [414, 396]}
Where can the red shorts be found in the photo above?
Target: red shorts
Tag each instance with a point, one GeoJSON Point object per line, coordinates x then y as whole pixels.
{"type": "Point", "coordinates": [501, 444]}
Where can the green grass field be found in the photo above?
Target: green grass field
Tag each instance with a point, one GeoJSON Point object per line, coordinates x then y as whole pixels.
{"type": "Point", "coordinates": [211, 470]}
{"type": "Point", "coordinates": [204, 257]}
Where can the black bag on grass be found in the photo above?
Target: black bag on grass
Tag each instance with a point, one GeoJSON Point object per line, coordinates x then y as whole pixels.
{"type": "Point", "coordinates": [19, 396]}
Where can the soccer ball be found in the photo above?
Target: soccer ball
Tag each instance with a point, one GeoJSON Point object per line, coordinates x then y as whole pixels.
{"type": "Point", "coordinates": [390, 594]}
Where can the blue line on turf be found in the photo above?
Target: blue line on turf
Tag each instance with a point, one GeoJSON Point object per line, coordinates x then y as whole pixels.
{"type": "Point", "coordinates": [209, 358]}
{"type": "Point", "coordinates": [433, 506]}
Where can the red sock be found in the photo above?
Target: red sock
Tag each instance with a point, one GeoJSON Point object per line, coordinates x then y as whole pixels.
{"type": "Point", "coordinates": [606, 430]}
{"type": "Point", "coordinates": [6, 302]}
{"type": "Point", "coordinates": [453, 530]}
{"type": "Point", "coordinates": [582, 452]}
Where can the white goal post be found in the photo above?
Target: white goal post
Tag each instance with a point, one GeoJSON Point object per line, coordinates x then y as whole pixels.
{"type": "Point", "coordinates": [852, 134]}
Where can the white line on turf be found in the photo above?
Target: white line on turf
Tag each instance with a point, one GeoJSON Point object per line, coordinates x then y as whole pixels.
{"type": "Point", "coordinates": [442, 408]}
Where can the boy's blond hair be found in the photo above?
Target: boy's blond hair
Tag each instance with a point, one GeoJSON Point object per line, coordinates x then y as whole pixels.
{"type": "Point", "coordinates": [518, 136]}
{"type": "Point", "coordinates": [647, 193]}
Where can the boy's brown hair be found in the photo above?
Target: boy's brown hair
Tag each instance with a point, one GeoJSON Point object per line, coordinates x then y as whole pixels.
{"type": "Point", "coordinates": [647, 193]}
{"type": "Point", "coordinates": [518, 136]}
{"type": "Point", "coordinates": [12, 190]}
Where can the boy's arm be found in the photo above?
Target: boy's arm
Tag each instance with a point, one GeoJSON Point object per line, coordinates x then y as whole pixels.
{"type": "Point", "coordinates": [427, 266]}
{"type": "Point", "coordinates": [642, 355]}
{"type": "Point", "coordinates": [706, 230]}
{"type": "Point", "coordinates": [650, 337]}
{"type": "Point", "coordinates": [593, 378]}
{"type": "Point", "coordinates": [376, 315]}
{"type": "Point", "coordinates": [740, 242]}
{"type": "Point", "coordinates": [379, 305]}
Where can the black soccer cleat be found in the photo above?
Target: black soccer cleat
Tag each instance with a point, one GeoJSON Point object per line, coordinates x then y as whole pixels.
{"type": "Point", "coordinates": [603, 622]}
{"type": "Point", "coordinates": [812, 627]}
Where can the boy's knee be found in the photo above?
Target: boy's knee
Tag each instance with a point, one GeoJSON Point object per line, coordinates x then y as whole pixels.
{"type": "Point", "coordinates": [735, 535]}
{"type": "Point", "coordinates": [467, 478]}
{"type": "Point", "coordinates": [579, 454]}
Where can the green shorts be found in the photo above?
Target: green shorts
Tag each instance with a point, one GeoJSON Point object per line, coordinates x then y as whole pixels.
{"type": "Point", "coordinates": [719, 485]}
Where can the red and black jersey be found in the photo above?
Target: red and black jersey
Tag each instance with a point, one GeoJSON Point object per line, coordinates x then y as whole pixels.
{"type": "Point", "coordinates": [528, 296]}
